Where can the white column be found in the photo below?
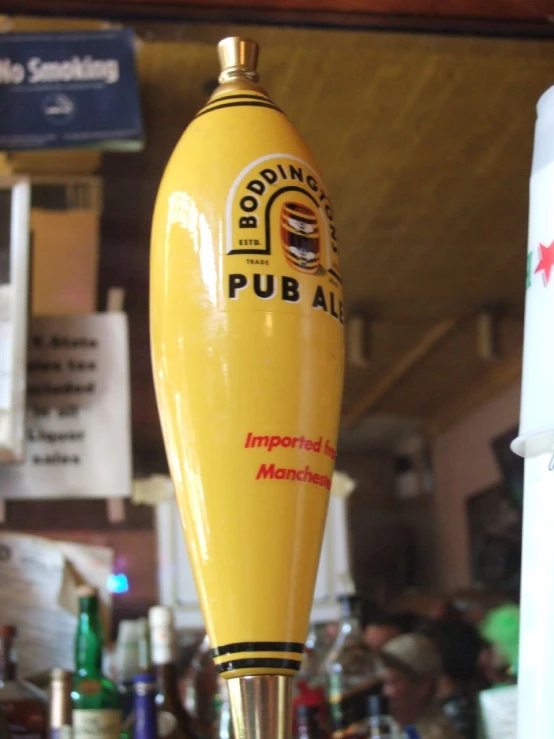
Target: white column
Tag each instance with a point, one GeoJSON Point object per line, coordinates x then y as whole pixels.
{"type": "Point", "coordinates": [536, 676]}
{"type": "Point", "coordinates": [536, 444]}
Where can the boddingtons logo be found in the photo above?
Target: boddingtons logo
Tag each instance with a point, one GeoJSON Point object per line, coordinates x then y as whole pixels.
{"type": "Point", "coordinates": [277, 209]}
{"type": "Point", "coordinates": [300, 237]}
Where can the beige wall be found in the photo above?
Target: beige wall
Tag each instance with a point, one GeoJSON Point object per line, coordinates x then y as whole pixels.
{"type": "Point", "coordinates": [464, 464]}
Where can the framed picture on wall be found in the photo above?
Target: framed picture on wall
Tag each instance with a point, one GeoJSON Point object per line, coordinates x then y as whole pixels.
{"type": "Point", "coordinates": [495, 531]}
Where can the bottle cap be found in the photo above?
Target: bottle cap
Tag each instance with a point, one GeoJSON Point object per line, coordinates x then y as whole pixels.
{"type": "Point", "coordinates": [144, 677]}
{"type": "Point", "coordinates": [160, 616]}
{"type": "Point", "coordinates": [144, 684]}
{"type": "Point", "coordinates": [7, 630]}
{"type": "Point", "coordinates": [238, 58]}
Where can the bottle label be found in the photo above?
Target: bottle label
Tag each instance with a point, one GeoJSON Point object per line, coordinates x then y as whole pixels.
{"type": "Point", "coordinates": [166, 723]}
{"type": "Point", "coordinates": [161, 644]}
{"type": "Point", "coordinates": [351, 708]}
{"type": "Point", "coordinates": [96, 724]}
{"type": "Point", "coordinates": [90, 687]}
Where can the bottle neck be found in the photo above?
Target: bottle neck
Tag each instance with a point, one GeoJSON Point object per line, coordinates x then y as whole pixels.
{"type": "Point", "coordinates": [60, 703]}
{"type": "Point", "coordinates": [162, 650]}
{"type": "Point", "coordinates": [144, 697]}
{"type": "Point", "coordinates": [306, 724]}
{"type": "Point", "coordinates": [166, 679]}
{"type": "Point", "coordinates": [89, 643]}
{"type": "Point", "coordinates": [350, 627]}
{"type": "Point", "coordinates": [8, 660]}
{"type": "Point", "coordinates": [350, 619]}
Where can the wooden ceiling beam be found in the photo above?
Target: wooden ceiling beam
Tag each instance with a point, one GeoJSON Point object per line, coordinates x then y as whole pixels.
{"type": "Point", "coordinates": [428, 342]}
{"type": "Point", "coordinates": [504, 17]}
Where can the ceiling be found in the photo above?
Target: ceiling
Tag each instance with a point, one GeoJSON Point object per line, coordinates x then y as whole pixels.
{"type": "Point", "coordinates": [425, 145]}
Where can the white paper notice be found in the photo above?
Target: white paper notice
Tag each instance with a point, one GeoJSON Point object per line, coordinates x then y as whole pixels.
{"type": "Point", "coordinates": [78, 435]}
{"type": "Point", "coordinates": [38, 578]}
{"type": "Point", "coordinates": [499, 712]}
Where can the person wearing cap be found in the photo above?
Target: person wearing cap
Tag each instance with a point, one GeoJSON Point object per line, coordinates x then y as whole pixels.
{"type": "Point", "coordinates": [412, 668]}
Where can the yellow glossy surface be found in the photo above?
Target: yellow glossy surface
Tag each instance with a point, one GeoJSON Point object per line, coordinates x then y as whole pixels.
{"type": "Point", "coordinates": [230, 362]}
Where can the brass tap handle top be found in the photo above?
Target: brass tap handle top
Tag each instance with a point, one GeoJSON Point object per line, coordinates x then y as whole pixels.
{"type": "Point", "coordinates": [238, 58]}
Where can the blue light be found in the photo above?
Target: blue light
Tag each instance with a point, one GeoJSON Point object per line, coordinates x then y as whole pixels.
{"type": "Point", "coordinates": [118, 583]}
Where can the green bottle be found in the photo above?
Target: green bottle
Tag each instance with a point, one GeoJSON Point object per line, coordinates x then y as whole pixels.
{"type": "Point", "coordinates": [96, 706]}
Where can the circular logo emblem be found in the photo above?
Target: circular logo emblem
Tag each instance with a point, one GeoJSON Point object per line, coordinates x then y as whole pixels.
{"type": "Point", "coordinates": [58, 108]}
{"type": "Point", "coordinates": [300, 237]}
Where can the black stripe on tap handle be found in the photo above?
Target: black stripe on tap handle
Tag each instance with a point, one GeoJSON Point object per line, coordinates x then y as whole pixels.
{"type": "Point", "coordinates": [214, 107]}
{"type": "Point", "coordinates": [238, 96]}
{"type": "Point", "coordinates": [257, 646]}
{"type": "Point", "coordinates": [259, 663]}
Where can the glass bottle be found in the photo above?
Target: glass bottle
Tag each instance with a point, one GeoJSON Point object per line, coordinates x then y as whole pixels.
{"type": "Point", "coordinates": [309, 691]}
{"type": "Point", "coordinates": [96, 700]}
{"type": "Point", "coordinates": [306, 727]}
{"type": "Point", "coordinates": [380, 724]}
{"type": "Point", "coordinates": [308, 722]}
{"type": "Point", "coordinates": [318, 645]}
{"type": "Point", "coordinates": [201, 688]}
{"type": "Point", "coordinates": [61, 720]}
{"type": "Point", "coordinates": [223, 728]}
{"type": "Point", "coordinates": [145, 722]}
{"type": "Point", "coordinates": [26, 714]}
{"type": "Point", "coordinates": [173, 720]}
{"type": "Point", "coordinates": [352, 672]}
{"type": "Point", "coordinates": [126, 662]}
{"type": "Point", "coordinates": [143, 636]}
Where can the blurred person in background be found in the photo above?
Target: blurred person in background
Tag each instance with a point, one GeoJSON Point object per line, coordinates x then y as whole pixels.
{"type": "Point", "coordinates": [380, 628]}
{"type": "Point", "coordinates": [473, 604]}
{"type": "Point", "coordinates": [412, 669]}
{"type": "Point", "coordinates": [460, 647]}
{"type": "Point", "coordinates": [443, 608]}
{"type": "Point", "coordinates": [500, 628]}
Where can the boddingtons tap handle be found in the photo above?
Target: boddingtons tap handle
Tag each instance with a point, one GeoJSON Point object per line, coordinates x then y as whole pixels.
{"type": "Point", "coordinates": [247, 348]}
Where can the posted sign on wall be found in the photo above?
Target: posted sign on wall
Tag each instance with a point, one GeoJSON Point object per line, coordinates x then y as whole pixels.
{"type": "Point", "coordinates": [78, 434]}
{"type": "Point", "coordinates": [69, 90]}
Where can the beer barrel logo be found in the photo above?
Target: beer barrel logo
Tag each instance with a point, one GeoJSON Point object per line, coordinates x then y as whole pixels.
{"type": "Point", "coordinates": [300, 237]}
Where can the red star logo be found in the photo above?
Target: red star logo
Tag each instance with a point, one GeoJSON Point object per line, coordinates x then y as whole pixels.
{"type": "Point", "coordinates": [546, 261]}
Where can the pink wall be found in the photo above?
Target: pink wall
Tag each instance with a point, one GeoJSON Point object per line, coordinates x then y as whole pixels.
{"type": "Point", "coordinates": [464, 464]}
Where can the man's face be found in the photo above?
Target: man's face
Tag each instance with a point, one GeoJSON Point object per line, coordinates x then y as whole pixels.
{"type": "Point", "coordinates": [409, 698]}
{"type": "Point", "coordinates": [376, 636]}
